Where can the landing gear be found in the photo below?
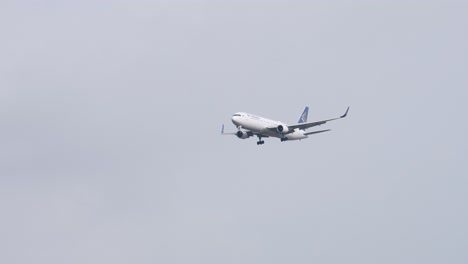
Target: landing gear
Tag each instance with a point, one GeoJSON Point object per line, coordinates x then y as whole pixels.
{"type": "Point", "coordinates": [260, 141]}
{"type": "Point", "coordinates": [284, 139]}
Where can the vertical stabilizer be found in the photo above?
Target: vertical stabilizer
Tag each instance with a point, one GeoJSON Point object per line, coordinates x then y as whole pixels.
{"type": "Point", "coordinates": [303, 118]}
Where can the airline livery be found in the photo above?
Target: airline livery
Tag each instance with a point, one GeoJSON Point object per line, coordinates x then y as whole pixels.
{"type": "Point", "coordinates": [249, 125]}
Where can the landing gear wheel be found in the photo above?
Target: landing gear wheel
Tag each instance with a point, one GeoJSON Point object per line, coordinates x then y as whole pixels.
{"type": "Point", "coordinates": [260, 141]}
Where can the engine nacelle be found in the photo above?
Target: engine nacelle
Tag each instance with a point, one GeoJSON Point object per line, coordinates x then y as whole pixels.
{"type": "Point", "coordinates": [242, 134]}
{"type": "Point", "coordinates": [282, 129]}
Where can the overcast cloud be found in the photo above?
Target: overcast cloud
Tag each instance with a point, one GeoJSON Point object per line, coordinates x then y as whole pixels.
{"type": "Point", "coordinates": [110, 113]}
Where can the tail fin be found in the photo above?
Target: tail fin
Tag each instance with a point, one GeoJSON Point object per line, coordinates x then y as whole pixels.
{"type": "Point", "coordinates": [303, 118]}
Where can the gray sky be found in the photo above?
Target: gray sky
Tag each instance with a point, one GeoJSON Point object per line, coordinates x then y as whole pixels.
{"type": "Point", "coordinates": [110, 113]}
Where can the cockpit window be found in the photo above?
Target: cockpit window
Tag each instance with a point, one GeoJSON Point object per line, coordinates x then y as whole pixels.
{"type": "Point", "coordinates": [236, 115]}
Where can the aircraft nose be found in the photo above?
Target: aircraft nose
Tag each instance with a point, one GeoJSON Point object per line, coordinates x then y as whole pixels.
{"type": "Point", "coordinates": [235, 120]}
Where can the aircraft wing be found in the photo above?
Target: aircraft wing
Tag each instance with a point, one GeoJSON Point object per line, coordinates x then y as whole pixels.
{"type": "Point", "coordinates": [317, 123]}
{"type": "Point", "coordinates": [250, 133]}
{"type": "Point", "coordinates": [316, 132]}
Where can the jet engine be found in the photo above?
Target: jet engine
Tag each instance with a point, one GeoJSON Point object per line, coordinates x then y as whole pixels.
{"type": "Point", "coordinates": [282, 129]}
{"type": "Point", "coordinates": [242, 134]}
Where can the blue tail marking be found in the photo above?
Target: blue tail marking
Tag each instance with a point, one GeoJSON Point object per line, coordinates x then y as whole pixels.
{"type": "Point", "coordinates": [303, 118]}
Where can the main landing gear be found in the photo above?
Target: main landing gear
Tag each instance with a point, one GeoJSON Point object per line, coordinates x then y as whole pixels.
{"type": "Point", "coordinates": [284, 139]}
{"type": "Point", "coordinates": [260, 141]}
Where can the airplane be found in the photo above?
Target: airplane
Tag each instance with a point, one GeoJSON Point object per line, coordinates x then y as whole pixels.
{"type": "Point", "coordinates": [250, 125]}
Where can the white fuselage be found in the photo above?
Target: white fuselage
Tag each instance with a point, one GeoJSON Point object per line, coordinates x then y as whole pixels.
{"type": "Point", "coordinates": [260, 124]}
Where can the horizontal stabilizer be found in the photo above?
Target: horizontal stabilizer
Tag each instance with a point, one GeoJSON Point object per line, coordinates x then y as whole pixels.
{"type": "Point", "coordinates": [316, 132]}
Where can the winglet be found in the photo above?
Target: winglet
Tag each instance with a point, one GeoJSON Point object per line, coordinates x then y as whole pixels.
{"type": "Point", "coordinates": [222, 129]}
{"type": "Point", "coordinates": [346, 113]}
